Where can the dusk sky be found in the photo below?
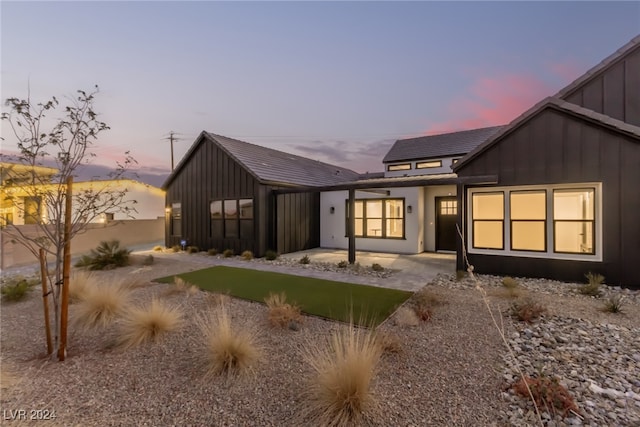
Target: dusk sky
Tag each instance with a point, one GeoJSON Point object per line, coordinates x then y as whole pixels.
{"type": "Point", "coordinates": [333, 81]}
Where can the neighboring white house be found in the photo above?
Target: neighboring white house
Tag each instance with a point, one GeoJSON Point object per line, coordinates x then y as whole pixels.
{"type": "Point", "coordinates": [410, 219]}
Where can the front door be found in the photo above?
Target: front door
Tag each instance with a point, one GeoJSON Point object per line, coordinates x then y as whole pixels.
{"type": "Point", "coordinates": [446, 217]}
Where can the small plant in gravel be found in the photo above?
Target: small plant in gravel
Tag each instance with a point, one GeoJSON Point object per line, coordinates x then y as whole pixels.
{"type": "Point", "coordinates": [388, 342]}
{"type": "Point", "coordinates": [547, 393]}
{"type": "Point", "coordinates": [148, 260]}
{"type": "Point", "coordinates": [180, 286]}
{"type": "Point", "coordinates": [228, 253]}
{"type": "Point", "coordinates": [212, 252]}
{"type": "Point", "coordinates": [176, 248]}
{"type": "Point", "coordinates": [592, 288]}
{"type": "Point", "coordinates": [281, 313]}
{"type": "Point", "coordinates": [247, 255]}
{"type": "Point", "coordinates": [511, 288]}
{"type": "Point", "coordinates": [158, 248]}
{"type": "Point", "coordinates": [342, 264]}
{"type": "Point", "coordinates": [423, 302]}
{"type": "Point", "coordinates": [148, 324]}
{"type": "Point", "coordinates": [16, 289]}
{"type": "Point", "coordinates": [614, 304]}
{"type": "Point", "coordinates": [271, 255]}
{"type": "Point", "coordinates": [510, 282]}
{"type": "Point", "coordinates": [339, 391]}
{"type": "Point", "coordinates": [305, 260]}
{"type": "Point", "coordinates": [406, 316]}
{"type": "Point", "coordinates": [192, 249]}
{"type": "Point", "coordinates": [527, 311]}
{"type": "Point", "coordinates": [377, 267]}
{"type": "Point", "coordinates": [461, 275]}
{"type": "Point", "coordinates": [102, 305]}
{"type": "Point", "coordinates": [228, 350]}
{"type": "Point", "coordinates": [106, 256]}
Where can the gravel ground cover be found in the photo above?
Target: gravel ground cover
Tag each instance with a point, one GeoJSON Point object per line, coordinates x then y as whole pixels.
{"type": "Point", "coordinates": [452, 370]}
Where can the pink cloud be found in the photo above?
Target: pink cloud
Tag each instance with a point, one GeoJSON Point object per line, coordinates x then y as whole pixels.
{"type": "Point", "coordinates": [500, 98]}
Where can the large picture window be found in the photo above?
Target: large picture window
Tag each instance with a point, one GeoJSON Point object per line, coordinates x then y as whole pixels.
{"type": "Point", "coordinates": [556, 221]}
{"type": "Point", "coordinates": [378, 218]}
{"type": "Point", "coordinates": [232, 219]}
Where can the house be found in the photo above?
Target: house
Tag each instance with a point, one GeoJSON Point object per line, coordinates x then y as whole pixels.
{"type": "Point", "coordinates": [555, 193]}
{"type": "Point", "coordinates": [567, 196]}
{"type": "Point", "coordinates": [223, 195]}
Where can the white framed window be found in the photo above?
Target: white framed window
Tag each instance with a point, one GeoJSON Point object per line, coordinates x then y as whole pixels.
{"type": "Point", "coordinates": [561, 221]}
{"type": "Point", "coordinates": [377, 218]}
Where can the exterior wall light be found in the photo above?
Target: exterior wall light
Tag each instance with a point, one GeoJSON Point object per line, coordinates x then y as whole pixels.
{"type": "Point", "coordinates": [332, 210]}
{"type": "Point", "coordinates": [409, 209]}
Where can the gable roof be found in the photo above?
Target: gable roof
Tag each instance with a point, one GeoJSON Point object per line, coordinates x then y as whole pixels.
{"type": "Point", "coordinates": [271, 166]}
{"type": "Point", "coordinates": [560, 105]}
{"type": "Point", "coordinates": [446, 144]}
{"type": "Point", "coordinates": [603, 66]}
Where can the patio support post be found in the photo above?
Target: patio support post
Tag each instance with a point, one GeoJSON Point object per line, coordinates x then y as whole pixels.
{"type": "Point", "coordinates": [351, 226]}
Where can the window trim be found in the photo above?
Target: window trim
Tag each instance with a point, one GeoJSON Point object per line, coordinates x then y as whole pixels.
{"type": "Point", "coordinates": [504, 217]}
{"type": "Point", "coordinates": [597, 256]}
{"type": "Point", "coordinates": [544, 221]}
{"type": "Point", "coordinates": [238, 219]}
{"type": "Point", "coordinates": [383, 218]}
{"type": "Point", "coordinates": [399, 167]}
{"type": "Point", "coordinates": [429, 164]}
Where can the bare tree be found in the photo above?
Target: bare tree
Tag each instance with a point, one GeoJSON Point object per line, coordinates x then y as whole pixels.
{"type": "Point", "coordinates": [38, 193]}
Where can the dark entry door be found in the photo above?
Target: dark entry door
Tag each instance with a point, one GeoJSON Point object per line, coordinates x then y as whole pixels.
{"type": "Point", "coordinates": [446, 217]}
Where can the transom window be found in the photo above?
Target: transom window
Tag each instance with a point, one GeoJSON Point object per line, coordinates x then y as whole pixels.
{"type": "Point", "coordinates": [523, 220]}
{"type": "Point", "coordinates": [430, 164]}
{"type": "Point", "coordinates": [231, 219]}
{"type": "Point", "coordinates": [378, 218]}
{"type": "Point", "coordinates": [402, 167]}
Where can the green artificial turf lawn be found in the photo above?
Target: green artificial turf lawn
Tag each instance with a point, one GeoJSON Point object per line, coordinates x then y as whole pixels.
{"type": "Point", "coordinates": [325, 298]}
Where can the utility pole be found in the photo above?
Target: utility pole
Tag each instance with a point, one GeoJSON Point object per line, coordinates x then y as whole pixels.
{"type": "Point", "coordinates": [172, 137]}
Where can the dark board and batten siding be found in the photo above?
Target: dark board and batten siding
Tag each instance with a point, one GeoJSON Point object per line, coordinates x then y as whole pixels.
{"type": "Point", "coordinates": [615, 92]}
{"type": "Point", "coordinates": [286, 225]}
{"type": "Point", "coordinates": [554, 147]}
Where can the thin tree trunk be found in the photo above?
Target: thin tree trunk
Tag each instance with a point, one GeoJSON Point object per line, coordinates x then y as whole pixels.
{"type": "Point", "coordinates": [45, 299]}
{"type": "Point", "coordinates": [64, 300]}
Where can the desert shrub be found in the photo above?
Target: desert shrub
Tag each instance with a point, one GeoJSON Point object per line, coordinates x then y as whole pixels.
{"type": "Point", "coordinates": [247, 255]}
{"type": "Point", "coordinates": [101, 305]}
{"type": "Point", "coordinates": [15, 289]}
{"type": "Point", "coordinates": [527, 311]}
{"type": "Point", "coordinates": [614, 304]}
{"type": "Point", "coordinates": [592, 288]}
{"type": "Point", "coordinates": [305, 260]}
{"type": "Point", "coordinates": [228, 253]}
{"type": "Point", "coordinates": [461, 275]}
{"type": "Point", "coordinates": [176, 248]}
{"type": "Point", "coordinates": [339, 390]}
{"type": "Point", "coordinates": [509, 282]}
{"type": "Point", "coordinates": [388, 342]}
{"type": "Point", "coordinates": [423, 302]}
{"type": "Point", "coordinates": [193, 249]}
{"type": "Point", "coordinates": [406, 316]}
{"type": "Point", "coordinates": [281, 313]}
{"type": "Point", "coordinates": [216, 298]}
{"type": "Point", "coordinates": [212, 252]}
{"type": "Point", "coordinates": [377, 267]}
{"type": "Point", "coordinates": [547, 393]}
{"type": "Point", "coordinates": [342, 264]}
{"type": "Point", "coordinates": [180, 286]}
{"type": "Point", "coordinates": [79, 283]}
{"type": "Point", "coordinates": [158, 248]}
{"type": "Point", "coordinates": [148, 260]}
{"type": "Point", "coordinates": [271, 255]}
{"type": "Point", "coordinates": [148, 324]}
{"type": "Point", "coordinates": [228, 349]}
{"type": "Point", "coordinates": [106, 256]}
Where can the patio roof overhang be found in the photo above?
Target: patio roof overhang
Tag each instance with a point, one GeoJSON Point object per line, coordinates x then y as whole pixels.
{"type": "Point", "coordinates": [396, 182]}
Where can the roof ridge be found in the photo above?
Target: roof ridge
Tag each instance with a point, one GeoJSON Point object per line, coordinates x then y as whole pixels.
{"type": "Point", "coordinates": [452, 132]}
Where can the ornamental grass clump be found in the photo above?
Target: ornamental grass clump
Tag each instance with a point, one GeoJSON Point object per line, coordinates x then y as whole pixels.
{"type": "Point", "coordinates": [212, 252]}
{"type": "Point", "coordinates": [271, 255]}
{"type": "Point", "coordinates": [305, 260]}
{"type": "Point", "coordinates": [527, 311]}
{"type": "Point", "coordinates": [227, 349]}
{"type": "Point", "coordinates": [592, 288]}
{"type": "Point", "coordinates": [339, 391]}
{"type": "Point", "coordinates": [406, 316]}
{"type": "Point", "coordinates": [101, 304]}
{"type": "Point", "coordinates": [614, 304]}
{"type": "Point", "coordinates": [193, 249]}
{"type": "Point", "coordinates": [180, 286]}
{"type": "Point", "coordinates": [281, 313]}
{"type": "Point", "coordinates": [228, 253]}
{"type": "Point", "coordinates": [150, 323]}
{"type": "Point", "coordinates": [80, 283]}
{"type": "Point", "coordinates": [548, 394]}
{"type": "Point", "coordinates": [247, 255]}
{"type": "Point", "coordinates": [377, 267]}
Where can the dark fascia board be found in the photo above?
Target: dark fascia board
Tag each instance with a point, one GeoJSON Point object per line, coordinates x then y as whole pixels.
{"type": "Point", "coordinates": [390, 183]}
{"type": "Point", "coordinates": [559, 105]}
{"type": "Point", "coordinates": [204, 135]}
{"type": "Point", "coordinates": [599, 69]}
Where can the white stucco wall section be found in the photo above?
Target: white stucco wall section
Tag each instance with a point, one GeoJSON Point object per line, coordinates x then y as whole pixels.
{"type": "Point", "coordinates": [332, 226]}
{"type": "Point", "coordinates": [431, 193]}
